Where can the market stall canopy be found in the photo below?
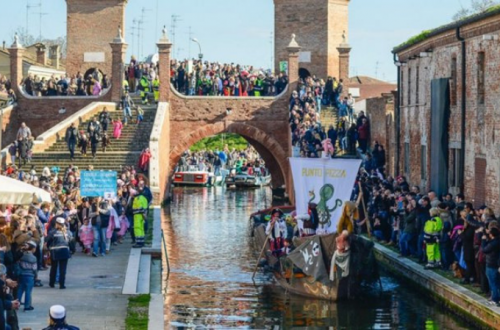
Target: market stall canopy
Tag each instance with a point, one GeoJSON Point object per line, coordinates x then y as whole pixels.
{"type": "Point", "coordinates": [19, 193]}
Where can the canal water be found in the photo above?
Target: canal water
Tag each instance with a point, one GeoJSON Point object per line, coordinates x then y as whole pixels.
{"type": "Point", "coordinates": [212, 257]}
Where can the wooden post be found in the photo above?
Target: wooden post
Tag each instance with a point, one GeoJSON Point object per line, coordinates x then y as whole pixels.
{"type": "Point", "coordinates": [368, 226]}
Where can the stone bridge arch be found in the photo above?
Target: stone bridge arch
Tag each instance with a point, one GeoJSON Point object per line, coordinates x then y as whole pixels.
{"type": "Point", "coordinates": [273, 153]}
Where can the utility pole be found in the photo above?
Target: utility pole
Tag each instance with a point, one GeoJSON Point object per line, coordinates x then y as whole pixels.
{"type": "Point", "coordinates": [156, 23]}
{"type": "Point", "coordinates": [189, 42]}
{"type": "Point", "coordinates": [175, 19]}
{"type": "Point", "coordinates": [271, 39]}
{"type": "Point", "coordinates": [133, 34]}
{"type": "Point", "coordinates": [142, 21]}
{"type": "Point", "coordinates": [41, 19]}
{"type": "Point", "coordinates": [28, 7]}
{"type": "Point", "coordinates": [139, 35]}
{"type": "Point", "coordinates": [376, 70]}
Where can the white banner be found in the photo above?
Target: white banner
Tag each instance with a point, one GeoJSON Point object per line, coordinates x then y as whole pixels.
{"type": "Point", "coordinates": [325, 182]}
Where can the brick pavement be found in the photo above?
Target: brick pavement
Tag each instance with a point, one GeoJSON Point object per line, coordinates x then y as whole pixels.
{"type": "Point", "coordinates": [92, 300]}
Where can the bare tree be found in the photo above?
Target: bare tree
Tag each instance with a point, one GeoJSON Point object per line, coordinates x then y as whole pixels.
{"type": "Point", "coordinates": [29, 39]}
{"type": "Point", "coordinates": [476, 6]}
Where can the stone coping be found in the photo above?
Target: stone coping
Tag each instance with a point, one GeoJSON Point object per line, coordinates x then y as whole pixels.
{"type": "Point", "coordinates": [25, 95]}
{"type": "Point", "coordinates": [43, 141]}
{"type": "Point", "coordinates": [454, 296]}
{"type": "Point", "coordinates": [186, 97]}
{"type": "Point", "coordinates": [154, 146]}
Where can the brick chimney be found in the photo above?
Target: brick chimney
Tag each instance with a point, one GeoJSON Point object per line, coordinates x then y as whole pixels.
{"type": "Point", "coordinates": [41, 57]}
{"type": "Point", "coordinates": [55, 56]}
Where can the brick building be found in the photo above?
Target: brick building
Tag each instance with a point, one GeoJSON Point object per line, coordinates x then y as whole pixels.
{"type": "Point", "coordinates": [91, 25]}
{"type": "Point", "coordinates": [321, 27]}
{"type": "Point", "coordinates": [446, 118]}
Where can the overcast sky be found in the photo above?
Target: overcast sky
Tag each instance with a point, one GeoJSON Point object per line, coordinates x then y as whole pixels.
{"type": "Point", "coordinates": [239, 31]}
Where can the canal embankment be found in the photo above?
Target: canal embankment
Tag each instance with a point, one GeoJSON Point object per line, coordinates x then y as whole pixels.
{"type": "Point", "coordinates": [459, 299]}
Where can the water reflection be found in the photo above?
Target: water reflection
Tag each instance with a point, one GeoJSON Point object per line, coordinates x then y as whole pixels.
{"type": "Point", "coordinates": [212, 259]}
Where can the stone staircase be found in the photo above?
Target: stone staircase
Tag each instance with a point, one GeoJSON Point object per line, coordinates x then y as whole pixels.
{"type": "Point", "coordinates": [122, 152]}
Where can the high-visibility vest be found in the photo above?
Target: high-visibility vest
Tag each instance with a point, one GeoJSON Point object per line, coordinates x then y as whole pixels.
{"type": "Point", "coordinates": [156, 84]}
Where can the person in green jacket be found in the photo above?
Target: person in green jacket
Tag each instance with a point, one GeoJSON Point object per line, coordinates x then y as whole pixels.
{"type": "Point", "coordinates": [139, 209]}
{"type": "Point", "coordinates": [432, 231]}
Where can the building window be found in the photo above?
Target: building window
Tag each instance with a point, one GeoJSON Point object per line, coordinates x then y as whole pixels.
{"type": "Point", "coordinates": [407, 158]}
{"type": "Point", "coordinates": [423, 163]}
{"type": "Point", "coordinates": [453, 82]}
{"type": "Point", "coordinates": [409, 86]}
{"type": "Point", "coordinates": [455, 167]}
{"type": "Point", "coordinates": [417, 86]}
{"type": "Point", "coordinates": [480, 77]}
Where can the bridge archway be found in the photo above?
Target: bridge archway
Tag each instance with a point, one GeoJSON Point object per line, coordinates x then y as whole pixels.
{"type": "Point", "coordinates": [269, 149]}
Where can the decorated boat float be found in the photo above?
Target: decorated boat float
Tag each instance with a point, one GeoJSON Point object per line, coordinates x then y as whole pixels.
{"type": "Point", "coordinates": [311, 249]}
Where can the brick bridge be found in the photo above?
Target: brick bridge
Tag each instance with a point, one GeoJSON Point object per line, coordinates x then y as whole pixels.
{"type": "Point", "coordinates": [182, 121]}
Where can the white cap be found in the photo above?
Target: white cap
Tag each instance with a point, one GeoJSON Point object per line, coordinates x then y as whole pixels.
{"type": "Point", "coordinates": [61, 220]}
{"type": "Point", "coordinates": [32, 244]}
{"type": "Point", "coordinates": [57, 312]}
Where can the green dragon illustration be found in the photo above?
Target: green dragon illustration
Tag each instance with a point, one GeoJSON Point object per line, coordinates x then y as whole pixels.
{"type": "Point", "coordinates": [324, 213]}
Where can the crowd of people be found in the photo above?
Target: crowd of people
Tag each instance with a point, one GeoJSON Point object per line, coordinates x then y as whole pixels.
{"type": "Point", "coordinates": [444, 232]}
{"type": "Point", "coordinates": [309, 137]}
{"type": "Point", "coordinates": [215, 160]}
{"type": "Point", "coordinates": [93, 84]}
{"type": "Point", "coordinates": [195, 77]}
{"type": "Point", "coordinates": [32, 237]}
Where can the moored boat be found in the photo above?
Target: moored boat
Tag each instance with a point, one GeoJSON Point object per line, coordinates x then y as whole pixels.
{"type": "Point", "coordinates": [196, 178]}
{"type": "Point", "coordinates": [312, 249]}
{"type": "Point", "coordinates": [254, 178]}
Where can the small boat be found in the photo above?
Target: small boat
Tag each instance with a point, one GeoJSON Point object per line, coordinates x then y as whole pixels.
{"type": "Point", "coordinates": [247, 179]}
{"type": "Point", "coordinates": [362, 265]}
{"type": "Point", "coordinates": [193, 177]}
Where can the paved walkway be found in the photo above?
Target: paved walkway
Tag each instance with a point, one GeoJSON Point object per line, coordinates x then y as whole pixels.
{"type": "Point", "coordinates": [92, 297]}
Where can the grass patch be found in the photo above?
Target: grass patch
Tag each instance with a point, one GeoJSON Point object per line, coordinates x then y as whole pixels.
{"type": "Point", "coordinates": [137, 312]}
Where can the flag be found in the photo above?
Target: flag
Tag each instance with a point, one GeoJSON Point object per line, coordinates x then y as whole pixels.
{"type": "Point", "coordinates": [328, 183]}
{"type": "Point", "coordinates": [309, 257]}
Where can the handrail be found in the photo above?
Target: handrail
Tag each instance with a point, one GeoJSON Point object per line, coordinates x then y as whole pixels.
{"type": "Point", "coordinates": [166, 253]}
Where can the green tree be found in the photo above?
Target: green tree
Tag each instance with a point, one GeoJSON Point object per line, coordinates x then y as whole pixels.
{"type": "Point", "coordinates": [218, 142]}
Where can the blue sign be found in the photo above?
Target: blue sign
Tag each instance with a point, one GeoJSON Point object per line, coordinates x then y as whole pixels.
{"type": "Point", "coordinates": [98, 184]}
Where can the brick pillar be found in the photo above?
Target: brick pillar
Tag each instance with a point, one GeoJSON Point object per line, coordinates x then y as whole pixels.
{"type": "Point", "coordinates": [164, 49]}
{"type": "Point", "coordinates": [118, 51]}
{"type": "Point", "coordinates": [55, 56]}
{"type": "Point", "coordinates": [293, 63]}
{"type": "Point", "coordinates": [344, 55]}
{"type": "Point", "coordinates": [40, 55]}
{"type": "Point", "coordinates": [16, 64]}
{"type": "Point", "coordinates": [293, 80]}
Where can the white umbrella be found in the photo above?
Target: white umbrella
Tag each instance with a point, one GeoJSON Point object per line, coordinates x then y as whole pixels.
{"type": "Point", "coordinates": [19, 193]}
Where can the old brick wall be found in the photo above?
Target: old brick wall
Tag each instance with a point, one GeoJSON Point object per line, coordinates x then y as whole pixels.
{"type": "Point", "coordinates": [40, 114]}
{"type": "Point", "coordinates": [319, 25]}
{"type": "Point", "coordinates": [85, 20]}
{"type": "Point", "coordinates": [482, 120]}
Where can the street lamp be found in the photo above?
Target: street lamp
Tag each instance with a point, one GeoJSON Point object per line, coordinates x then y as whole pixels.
{"type": "Point", "coordinates": [200, 55]}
